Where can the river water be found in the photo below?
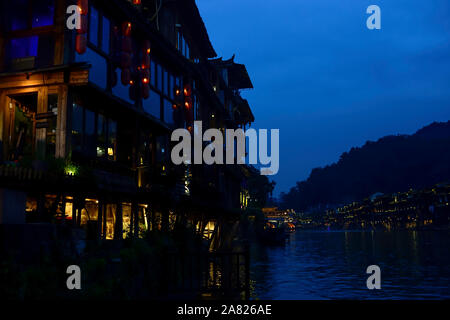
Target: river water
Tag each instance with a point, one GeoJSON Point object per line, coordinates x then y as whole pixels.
{"type": "Point", "coordinates": [332, 265]}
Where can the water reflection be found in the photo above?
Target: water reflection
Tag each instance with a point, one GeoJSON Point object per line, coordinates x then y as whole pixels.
{"type": "Point", "coordinates": [332, 265]}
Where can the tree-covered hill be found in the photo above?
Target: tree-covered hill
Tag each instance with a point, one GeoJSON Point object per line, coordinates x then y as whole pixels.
{"type": "Point", "coordinates": [391, 164]}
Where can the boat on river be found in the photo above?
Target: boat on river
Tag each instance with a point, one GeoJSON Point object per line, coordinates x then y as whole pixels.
{"type": "Point", "coordinates": [278, 226]}
{"type": "Point", "coordinates": [272, 234]}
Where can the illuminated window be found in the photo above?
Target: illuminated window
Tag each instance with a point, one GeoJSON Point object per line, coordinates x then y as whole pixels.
{"type": "Point", "coordinates": [93, 135]}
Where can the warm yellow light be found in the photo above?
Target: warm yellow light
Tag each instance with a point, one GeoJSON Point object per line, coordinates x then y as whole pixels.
{"type": "Point", "coordinates": [110, 152]}
{"type": "Point", "coordinates": [71, 170]}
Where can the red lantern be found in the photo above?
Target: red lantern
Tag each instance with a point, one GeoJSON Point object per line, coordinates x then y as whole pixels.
{"type": "Point", "coordinates": [188, 103]}
{"type": "Point", "coordinates": [83, 24]}
{"type": "Point", "coordinates": [127, 45]}
{"type": "Point", "coordinates": [145, 91]}
{"type": "Point", "coordinates": [145, 74]}
{"type": "Point", "coordinates": [125, 60]}
{"type": "Point", "coordinates": [189, 116]}
{"type": "Point", "coordinates": [177, 91]}
{"type": "Point", "coordinates": [145, 61]}
{"type": "Point", "coordinates": [84, 6]}
{"type": "Point", "coordinates": [132, 92]}
{"type": "Point", "coordinates": [187, 90]}
{"type": "Point", "coordinates": [147, 48]}
{"type": "Point", "coordinates": [125, 77]}
{"type": "Point", "coordinates": [126, 29]}
{"type": "Point", "coordinates": [136, 2]}
{"type": "Point", "coordinates": [81, 43]}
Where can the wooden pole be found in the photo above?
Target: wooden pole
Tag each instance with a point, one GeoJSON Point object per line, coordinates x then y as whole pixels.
{"type": "Point", "coordinates": [100, 219]}
{"type": "Point", "coordinates": [118, 234]}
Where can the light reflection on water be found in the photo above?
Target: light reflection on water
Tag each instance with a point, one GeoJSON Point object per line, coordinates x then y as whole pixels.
{"type": "Point", "coordinates": [332, 265]}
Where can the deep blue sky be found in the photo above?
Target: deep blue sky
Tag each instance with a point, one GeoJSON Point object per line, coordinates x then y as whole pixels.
{"type": "Point", "coordinates": [326, 81]}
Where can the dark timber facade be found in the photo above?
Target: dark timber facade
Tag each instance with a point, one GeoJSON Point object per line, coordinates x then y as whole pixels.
{"type": "Point", "coordinates": [86, 118]}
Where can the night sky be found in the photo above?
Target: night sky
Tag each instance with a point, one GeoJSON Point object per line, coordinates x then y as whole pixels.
{"type": "Point", "coordinates": [326, 81]}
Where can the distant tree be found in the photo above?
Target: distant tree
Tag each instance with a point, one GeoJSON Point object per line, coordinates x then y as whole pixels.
{"type": "Point", "coordinates": [391, 164]}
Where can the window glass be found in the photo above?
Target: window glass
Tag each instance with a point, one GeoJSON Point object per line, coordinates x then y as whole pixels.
{"type": "Point", "coordinates": [24, 47]}
{"type": "Point", "coordinates": [168, 112]}
{"type": "Point", "coordinates": [18, 18]}
{"type": "Point", "coordinates": [106, 34]}
{"type": "Point", "coordinates": [178, 40]}
{"type": "Point", "coordinates": [52, 103]}
{"type": "Point", "coordinates": [153, 104]}
{"type": "Point", "coordinates": [93, 26]}
{"type": "Point", "coordinates": [159, 76]}
{"type": "Point", "coordinates": [196, 107]}
{"type": "Point", "coordinates": [120, 90]}
{"type": "Point", "coordinates": [172, 87]}
{"type": "Point", "coordinates": [183, 46]}
{"type": "Point", "coordinates": [98, 72]}
{"type": "Point", "coordinates": [153, 73]}
{"type": "Point", "coordinates": [43, 13]}
{"type": "Point", "coordinates": [165, 82]}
